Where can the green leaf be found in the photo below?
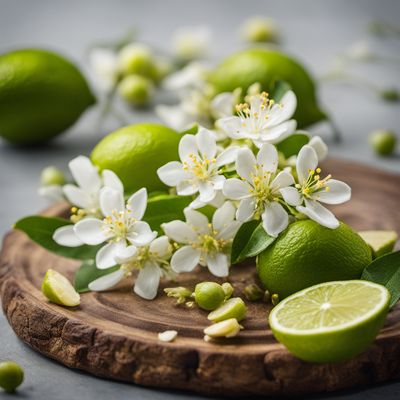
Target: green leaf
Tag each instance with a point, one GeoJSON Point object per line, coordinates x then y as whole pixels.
{"type": "Point", "coordinates": [278, 89]}
{"type": "Point", "coordinates": [165, 208]}
{"type": "Point", "coordinates": [40, 229]}
{"type": "Point", "coordinates": [87, 273]}
{"type": "Point", "coordinates": [292, 144]}
{"type": "Point", "coordinates": [385, 270]}
{"type": "Point", "coordinates": [192, 130]}
{"type": "Point", "coordinates": [250, 241]}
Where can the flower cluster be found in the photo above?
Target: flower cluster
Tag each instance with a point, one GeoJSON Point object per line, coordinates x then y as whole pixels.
{"type": "Point", "coordinates": [244, 178]}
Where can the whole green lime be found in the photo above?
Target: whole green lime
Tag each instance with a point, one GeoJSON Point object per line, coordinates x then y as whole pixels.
{"type": "Point", "coordinates": [41, 95]}
{"type": "Point", "coordinates": [135, 152]}
{"type": "Point", "coordinates": [307, 253]}
{"type": "Point", "coordinates": [267, 66]}
{"type": "Point", "coordinates": [11, 375]}
{"type": "Point", "coordinates": [383, 141]}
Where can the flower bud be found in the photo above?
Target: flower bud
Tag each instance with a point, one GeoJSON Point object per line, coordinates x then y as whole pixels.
{"type": "Point", "coordinates": [228, 290]}
{"type": "Point", "coordinates": [136, 90]}
{"type": "Point", "coordinates": [136, 59]}
{"type": "Point", "coordinates": [260, 30]}
{"type": "Point", "coordinates": [52, 176]}
{"type": "Point", "coordinates": [383, 141]}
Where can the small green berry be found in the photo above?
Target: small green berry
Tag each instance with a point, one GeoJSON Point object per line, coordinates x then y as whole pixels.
{"type": "Point", "coordinates": [136, 90]}
{"type": "Point", "coordinates": [260, 30]}
{"type": "Point", "coordinates": [274, 299]}
{"type": "Point", "coordinates": [228, 290]}
{"type": "Point", "coordinates": [136, 59]}
{"type": "Point", "coordinates": [11, 375]}
{"type": "Point", "coordinates": [253, 292]}
{"type": "Point", "coordinates": [383, 141]}
{"type": "Point", "coordinates": [209, 295]}
{"type": "Point", "coordinates": [391, 95]}
{"type": "Point", "coordinates": [52, 176]}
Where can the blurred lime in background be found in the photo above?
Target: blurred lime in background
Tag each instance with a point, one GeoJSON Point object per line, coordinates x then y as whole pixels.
{"type": "Point", "coordinates": [41, 95]}
{"type": "Point", "coordinates": [267, 66]}
{"type": "Point", "coordinates": [135, 152]}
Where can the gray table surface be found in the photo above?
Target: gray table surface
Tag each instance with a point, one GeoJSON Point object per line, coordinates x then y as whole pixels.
{"type": "Point", "coordinates": [314, 31]}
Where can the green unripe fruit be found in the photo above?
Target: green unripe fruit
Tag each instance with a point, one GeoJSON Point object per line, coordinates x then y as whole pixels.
{"type": "Point", "coordinates": [383, 142]}
{"type": "Point", "coordinates": [136, 90]}
{"type": "Point", "coordinates": [52, 176]}
{"type": "Point", "coordinates": [259, 30]}
{"type": "Point", "coordinates": [209, 295]}
{"type": "Point", "coordinates": [137, 59]}
{"type": "Point", "coordinates": [11, 375]}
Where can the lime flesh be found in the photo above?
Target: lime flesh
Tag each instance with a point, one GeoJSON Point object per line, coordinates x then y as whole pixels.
{"type": "Point", "coordinates": [381, 242]}
{"type": "Point", "coordinates": [332, 321]}
{"type": "Point", "coordinates": [59, 290]}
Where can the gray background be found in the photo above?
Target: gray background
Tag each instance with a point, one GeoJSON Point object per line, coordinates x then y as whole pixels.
{"type": "Point", "coordinates": [314, 31]}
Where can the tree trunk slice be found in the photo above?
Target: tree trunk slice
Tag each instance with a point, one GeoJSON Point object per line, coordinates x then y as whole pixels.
{"type": "Point", "coordinates": [114, 334]}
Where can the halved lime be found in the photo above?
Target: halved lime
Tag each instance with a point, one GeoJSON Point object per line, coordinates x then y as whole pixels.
{"type": "Point", "coordinates": [381, 242]}
{"type": "Point", "coordinates": [331, 321]}
{"type": "Point", "coordinates": [232, 308]}
{"type": "Point", "coordinates": [58, 289]}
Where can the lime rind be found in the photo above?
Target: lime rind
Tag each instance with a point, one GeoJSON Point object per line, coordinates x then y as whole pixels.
{"type": "Point", "coordinates": [58, 289]}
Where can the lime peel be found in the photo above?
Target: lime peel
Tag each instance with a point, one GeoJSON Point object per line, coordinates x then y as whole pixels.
{"type": "Point", "coordinates": [58, 289]}
{"type": "Point", "coordinates": [232, 308]}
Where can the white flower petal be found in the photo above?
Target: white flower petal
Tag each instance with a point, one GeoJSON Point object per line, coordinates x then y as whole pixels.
{"type": "Point", "coordinates": [174, 116]}
{"type": "Point", "coordinates": [283, 110]}
{"type": "Point", "coordinates": [172, 173]}
{"type": "Point", "coordinates": [107, 281]}
{"type": "Point", "coordinates": [179, 231]}
{"type": "Point", "coordinates": [85, 174]}
{"type": "Point", "coordinates": [110, 179]}
{"type": "Point", "coordinates": [228, 156]}
{"type": "Point", "coordinates": [160, 247]}
{"type": "Point", "coordinates": [236, 189]}
{"type": "Point", "coordinates": [138, 204]}
{"type": "Point", "coordinates": [206, 143]}
{"type": "Point", "coordinates": [275, 219]}
{"type": "Point", "coordinates": [245, 164]}
{"type": "Point", "coordinates": [232, 126]}
{"type": "Point", "coordinates": [218, 264]}
{"type": "Point", "coordinates": [91, 231]}
{"type": "Point", "coordinates": [186, 188]}
{"type": "Point", "coordinates": [185, 259]}
{"type": "Point", "coordinates": [147, 281]}
{"type": "Point", "coordinates": [319, 146]}
{"type": "Point", "coordinates": [278, 133]}
{"type": "Point", "coordinates": [207, 191]}
{"type": "Point", "coordinates": [267, 157]}
{"type": "Point", "coordinates": [246, 209]}
{"type": "Point", "coordinates": [307, 160]}
{"type": "Point", "coordinates": [187, 147]}
{"type": "Point", "coordinates": [283, 179]}
{"type": "Point", "coordinates": [105, 257]}
{"type": "Point", "coordinates": [223, 216]}
{"type": "Point", "coordinates": [77, 196]}
{"type": "Point", "coordinates": [222, 105]}
{"type": "Point", "coordinates": [218, 182]}
{"type": "Point", "coordinates": [339, 192]}
{"type": "Point", "coordinates": [229, 231]}
{"type": "Point", "coordinates": [125, 254]}
{"type": "Point", "coordinates": [291, 195]}
{"type": "Point", "coordinates": [111, 201]}
{"type": "Point", "coordinates": [65, 236]}
{"type": "Point", "coordinates": [196, 220]}
{"type": "Point", "coordinates": [319, 213]}
{"type": "Point", "coordinates": [140, 234]}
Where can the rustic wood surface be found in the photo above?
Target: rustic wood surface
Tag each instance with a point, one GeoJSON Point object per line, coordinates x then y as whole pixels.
{"type": "Point", "coordinates": [114, 334]}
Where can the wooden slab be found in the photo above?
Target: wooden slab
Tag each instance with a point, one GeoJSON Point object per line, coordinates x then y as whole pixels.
{"type": "Point", "coordinates": [114, 334]}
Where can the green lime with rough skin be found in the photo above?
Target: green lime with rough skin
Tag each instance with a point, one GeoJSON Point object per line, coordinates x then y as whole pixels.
{"type": "Point", "coordinates": [209, 295]}
{"type": "Point", "coordinates": [135, 152]}
{"type": "Point", "coordinates": [41, 95]}
{"type": "Point", "coordinates": [307, 253]}
{"type": "Point", "coordinates": [267, 66]}
{"type": "Point", "coordinates": [11, 375]}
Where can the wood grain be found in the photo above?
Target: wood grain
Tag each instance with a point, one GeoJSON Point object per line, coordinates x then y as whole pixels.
{"type": "Point", "coordinates": [114, 334]}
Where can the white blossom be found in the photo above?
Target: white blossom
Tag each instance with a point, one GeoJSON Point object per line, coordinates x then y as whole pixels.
{"type": "Point", "coordinates": [190, 43]}
{"type": "Point", "coordinates": [204, 243]}
{"type": "Point", "coordinates": [260, 187]}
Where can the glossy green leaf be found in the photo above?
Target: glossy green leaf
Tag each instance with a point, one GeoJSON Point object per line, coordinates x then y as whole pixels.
{"type": "Point", "coordinates": [385, 270]}
{"type": "Point", "coordinates": [278, 90]}
{"type": "Point", "coordinates": [40, 229]}
{"type": "Point", "coordinates": [87, 273]}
